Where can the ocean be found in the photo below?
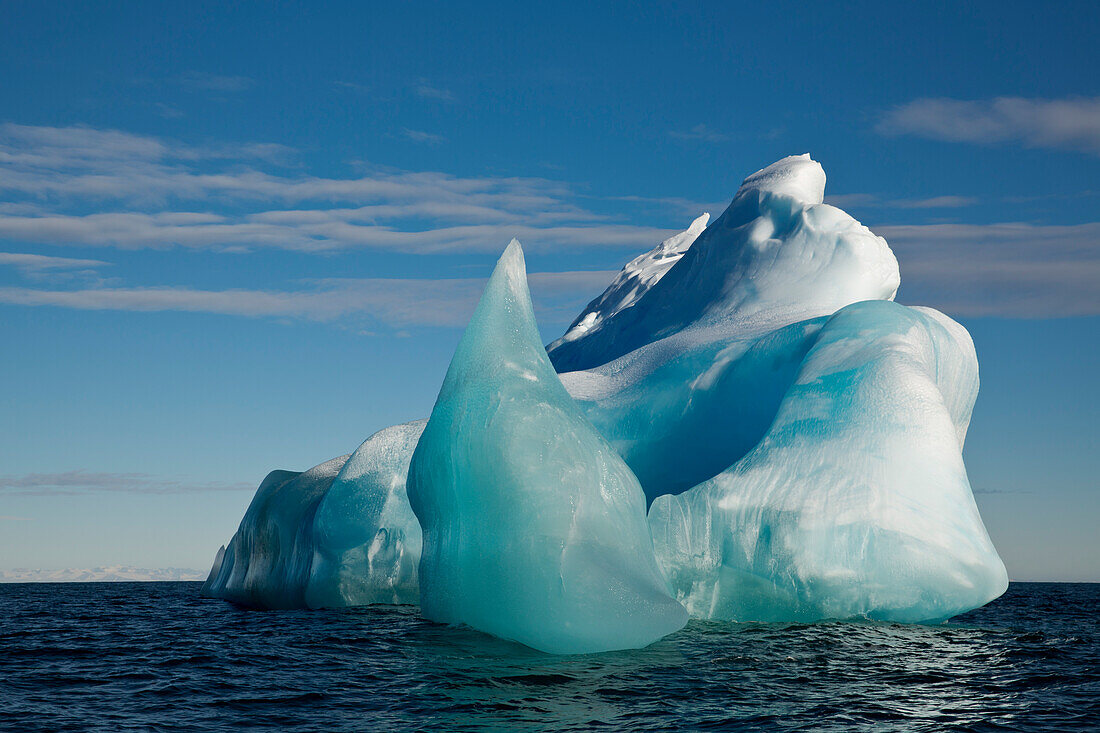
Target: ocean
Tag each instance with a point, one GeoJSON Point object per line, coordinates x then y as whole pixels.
{"type": "Point", "coordinates": [157, 657]}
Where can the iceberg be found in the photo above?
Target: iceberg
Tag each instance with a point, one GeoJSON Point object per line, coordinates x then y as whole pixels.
{"type": "Point", "coordinates": [776, 377]}
{"type": "Point", "coordinates": [796, 434]}
{"type": "Point", "coordinates": [534, 528]}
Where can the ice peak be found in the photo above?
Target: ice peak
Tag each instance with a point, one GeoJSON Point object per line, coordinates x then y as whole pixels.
{"type": "Point", "coordinates": [510, 273]}
{"type": "Point", "coordinates": [798, 176]}
{"type": "Point", "coordinates": [699, 224]}
{"type": "Point", "coordinates": [776, 255]}
{"type": "Point", "coordinates": [511, 261]}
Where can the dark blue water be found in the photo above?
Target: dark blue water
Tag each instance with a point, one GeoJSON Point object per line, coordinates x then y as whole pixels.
{"type": "Point", "coordinates": [156, 656]}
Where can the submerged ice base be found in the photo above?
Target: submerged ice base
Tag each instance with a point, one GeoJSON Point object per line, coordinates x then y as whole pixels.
{"type": "Point", "coordinates": [798, 434]}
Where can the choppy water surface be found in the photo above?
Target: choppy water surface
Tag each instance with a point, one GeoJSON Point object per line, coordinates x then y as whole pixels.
{"type": "Point", "coordinates": [156, 656]}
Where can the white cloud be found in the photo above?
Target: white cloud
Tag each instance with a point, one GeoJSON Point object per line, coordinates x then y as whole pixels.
{"type": "Point", "coordinates": [1008, 269]}
{"type": "Point", "coordinates": [1072, 124]}
{"type": "Point", "coordinates": [52, 176]}
{"type": "Point", "coordinates": [136, 185]}
{"type": "Point", "coordinates": [111, 573]}
{"type": "Point", "coordinates": [31, 263]}
{"type": "Point", "coordinates": [681, 206]}
{"type": "Point", "coordinates": [420, 136]}
{"type": "Point", "coordinates": [306, 231]}
{"type": "Point", "coordinates": [865, 200]}
{"type": "Point", "coordinates": [391, 303]}
{"type": "Point", "coordinates": [935, 202]}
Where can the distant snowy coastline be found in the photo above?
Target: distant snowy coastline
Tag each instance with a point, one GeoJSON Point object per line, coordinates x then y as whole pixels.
{"type": "Point", "coordinates": [111, 574]}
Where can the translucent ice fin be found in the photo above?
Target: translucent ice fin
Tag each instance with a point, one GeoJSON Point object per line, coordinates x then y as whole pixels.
{"type": "Point", "coordinates": [534, 528]}
{"type": "Point", "coordinates": [366, 538]}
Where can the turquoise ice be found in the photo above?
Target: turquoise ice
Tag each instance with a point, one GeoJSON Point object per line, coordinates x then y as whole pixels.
{"type": "Point", "coordinates": [366, 538]}
{"type": "Point", "coordinates": [534, 528]}
{"type": "Point", "coordinates": [855, 503]}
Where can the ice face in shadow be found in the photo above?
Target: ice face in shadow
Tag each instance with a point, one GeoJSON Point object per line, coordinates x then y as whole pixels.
{"type": "Point", "coordinates": [856, 502]}
{"type": "Point", "coordinates": [340, 534]}
{"type": "Point", "coordinates": [777, 255]}
{"type": "Point", "coordinates": [366, 538]}
{"type": "Point", "coordinates": [704, 406]}
{"type": "Point", "coordinates": [267, 563]}
{"type": "Point", "coordinates": [534, 528]}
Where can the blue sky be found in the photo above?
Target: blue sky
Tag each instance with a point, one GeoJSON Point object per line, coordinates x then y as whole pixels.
{"type": "Point", "coordinates": [238, 239]}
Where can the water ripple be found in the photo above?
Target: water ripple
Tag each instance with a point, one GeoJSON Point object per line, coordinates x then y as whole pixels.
{"type": "Point", "coordinates": [155, 656]}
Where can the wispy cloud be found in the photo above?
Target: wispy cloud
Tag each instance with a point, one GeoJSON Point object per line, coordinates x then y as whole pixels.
{"type": "Point", "coordinates": [307, 231]}
{"type": "Point", "coordinates": [422, 137]}
{"type": "Point", "coordinates": [1009, 269]}
{"type": "Point", "coordinates": [844, 200]}
{"type": "Point", "coordinates": [681, 206]}
{"type": "Point", "coordinates": [30, 156]}
{"type": "Point", "coordinates": [90, 482]}
{"type": "Point", "coordinates": [699, 132]}
{"type": "Point", "coordinates": [149, 192]}
{"type": "Point", "coordinates": [935, 202]}
{"type": "Point", "coordinates": [31, 263]}
{"type": "Point", "coordinates": [426, 90]}
{"type": "Point", "coordinates": [1071, 124]}
{"type": "Point", "coordinates": [99, 574]}
{"type": "Point", "coordinates": [214, 82]}
{"type": "Point", "coordinates": [390, 303]}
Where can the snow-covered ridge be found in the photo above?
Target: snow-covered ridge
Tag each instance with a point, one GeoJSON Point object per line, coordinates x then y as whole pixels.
{"type": "Point", "coordinates": [632, 282]}
{"type": "Point", "coordinates": [777, 255]}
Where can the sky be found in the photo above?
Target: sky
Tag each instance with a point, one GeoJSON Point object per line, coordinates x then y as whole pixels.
{"type": "Point", "coordinates": [241, 237]}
